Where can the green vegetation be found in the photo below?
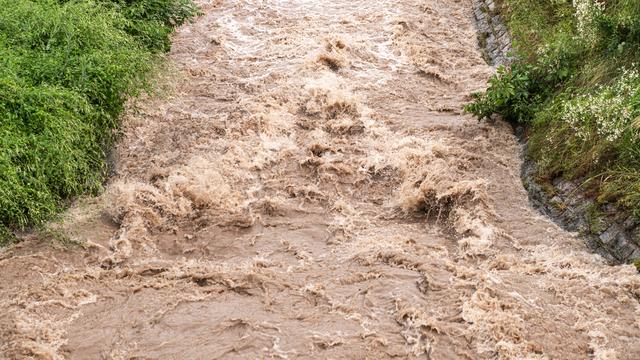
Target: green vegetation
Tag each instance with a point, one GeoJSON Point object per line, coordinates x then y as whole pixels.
{"type": "Point", "coordinates": [66, 69]}
{"type": "Point", "coordinates": [576, 84]}
{"type": "Point", "coordinates": [595, 220]}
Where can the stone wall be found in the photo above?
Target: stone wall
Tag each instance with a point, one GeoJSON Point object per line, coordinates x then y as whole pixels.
{"type": "Point", "coordinates": [493, 36]}
{"type": "Point", "coordinates": [607, 230]}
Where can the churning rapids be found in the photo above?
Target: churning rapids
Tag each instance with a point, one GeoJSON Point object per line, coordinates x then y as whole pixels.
{"type": "Point", "coordinates": [308, 187]}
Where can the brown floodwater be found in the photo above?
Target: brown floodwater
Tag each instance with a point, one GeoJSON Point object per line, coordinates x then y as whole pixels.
{"type": "Point", "coordinates": [306, 185]}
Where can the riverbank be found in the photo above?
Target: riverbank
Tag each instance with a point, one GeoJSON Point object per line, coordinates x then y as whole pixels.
{"type": "Point", "coordinates": [608, 230]}
{"type": "Point", "coordinates": [573, 84]}
{"type": "Point", "coordinates": [309, 188]}
{"type": "Point", "coordinates": [66, 70]}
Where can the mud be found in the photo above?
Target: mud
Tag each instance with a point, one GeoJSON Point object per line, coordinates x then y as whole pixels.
{"type": "Point", "coordinates": [309, 188]}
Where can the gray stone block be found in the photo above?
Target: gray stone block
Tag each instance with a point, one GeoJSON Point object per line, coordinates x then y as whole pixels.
{"type": "Point", "coordinates": [609, 236]}
{"type": "Point", "coordinates": [625, 252]}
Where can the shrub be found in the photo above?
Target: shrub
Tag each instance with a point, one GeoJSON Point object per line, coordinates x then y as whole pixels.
{"type": "Point", "coordinates": [66, 69]}
{"type": "Point", "coordinates": [509, 94]}
{"type": "Point", "coordinates": [152, 21]}
{"type": "Point", "coordinates": [576, 83]}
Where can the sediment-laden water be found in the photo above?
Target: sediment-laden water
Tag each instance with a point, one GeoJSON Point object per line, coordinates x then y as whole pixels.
{"type": "Point", "coordinates": [308, 187]}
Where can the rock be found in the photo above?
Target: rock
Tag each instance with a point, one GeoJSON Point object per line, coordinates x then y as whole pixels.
{"type": "Point", "coordinates": [491, 6]}
{"type": "Point", "coordinates": [565, 186]}
{"type": "Point", "coordinates": [491, 43]}
{"type": "Point", "coordinates": [630, 223]}
{"type": "Point", "coordinates": [625, 252]}
{"type": "Point", "coordinates": [581, 224]}
{"type": "Point", "coordinates": [619, 243]}
{"type": "Point", "coordinates": [609, 236]}
{"type": "Point", "coordinates": [493, 33]}
{"type": "Point", "coordinates": [519, 131]}
{"type": "Point", "coordinates": [556, 200]}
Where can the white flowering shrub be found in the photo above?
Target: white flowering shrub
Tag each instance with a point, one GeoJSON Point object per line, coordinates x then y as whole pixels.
{"type": "Point", "coordinates": [606, 113]}
{"type": "Point", "coordinates": [587, 13]}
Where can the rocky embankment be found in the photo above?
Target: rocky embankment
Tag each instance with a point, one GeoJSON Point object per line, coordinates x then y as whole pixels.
{"type": "Point", "coordinates": [608, 230]}
{"type": "Point", "coordinates": [493, 35]}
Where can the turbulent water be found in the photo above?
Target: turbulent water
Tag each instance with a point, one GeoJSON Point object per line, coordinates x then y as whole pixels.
{"type": "Point", "coordinates": [308, 187]}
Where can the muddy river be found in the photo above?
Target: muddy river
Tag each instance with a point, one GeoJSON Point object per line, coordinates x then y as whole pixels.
{"type": "Point", "coordinates": [305, 185]}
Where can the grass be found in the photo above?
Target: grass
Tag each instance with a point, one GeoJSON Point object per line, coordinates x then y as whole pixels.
{"type": "Point", "coordinates": [595, 220]}
{"type": "Point", "coordinates": [576, 85]}
{"type": "Point", "coordinates": [66, 70]}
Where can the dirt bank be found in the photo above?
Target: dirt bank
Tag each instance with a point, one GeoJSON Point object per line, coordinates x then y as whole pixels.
{"type": "Point", "coordinates": [311, 189]}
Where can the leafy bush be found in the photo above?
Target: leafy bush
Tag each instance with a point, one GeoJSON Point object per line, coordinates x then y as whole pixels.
{"type": "Point", "coordinates": [509, 94]}
{"type": "Point", "coordinates": [576, 83]}
{"type": "Point", "coordinates": [66, 69]}
{"type": "Point", "coordinates": [152, 21]}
